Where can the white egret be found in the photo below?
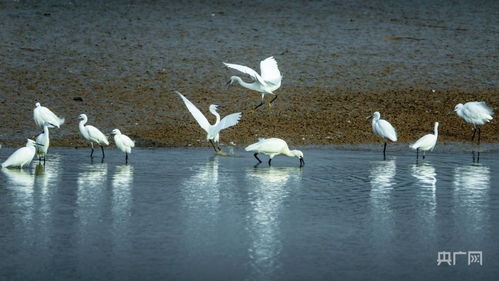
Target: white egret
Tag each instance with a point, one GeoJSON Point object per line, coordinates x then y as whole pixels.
{"type": "Point", "coordinates": [213, 131]}
{"type": "Point", "coordinates": [475, 113]}
{"type": "Point", "coordinates": [383, 129]}
{"type": "Point", "coordinates": [41, 114]}
{"type": "Point", "coordinates": [426, 142]}
{"type": "Point", "coordinates": [44, 140]}
{"type": "Point", "coordinates": [273, 147]}
{"type": "Point", "coordinates": [266, 83]}
{"type": "Point", "coordinates": [123, 142]}
{"type": "Point", "coordinates": [22, 156]}
{"type": "Point", "coordinates": [92, 134]}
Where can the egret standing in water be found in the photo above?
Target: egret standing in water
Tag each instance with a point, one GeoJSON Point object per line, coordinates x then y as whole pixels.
{"type": "Point", "coordinates": [44, 140]}
{"type": "Point", "coordinates": [266, 83]}
{"type": "Point", "coordinates": [22, 156]}
{"type": "Point", "coordinates": [212, 130]}
{"type": "Point", "coordinates": [273, 147]}
{"type": "Point", "coordinates": [475, 113]}
{"type": "Point", "coordinates": [426, 142]}
{"type": "Point", "coordinates": [41, 114]}
{"type": "Point", "coordinates": [123, 142]}
{"type": "Point", "coordinates": [92, 134]}
{"type": "Point", "coordinates": [383, 129]}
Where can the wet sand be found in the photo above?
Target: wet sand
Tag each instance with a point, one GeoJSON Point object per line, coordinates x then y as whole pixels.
{"type": "Point", "coordinates": [119, 62]}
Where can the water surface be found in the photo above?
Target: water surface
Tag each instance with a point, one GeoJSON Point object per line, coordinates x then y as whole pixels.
{"type": "Point", "coordinates": [185, 214]}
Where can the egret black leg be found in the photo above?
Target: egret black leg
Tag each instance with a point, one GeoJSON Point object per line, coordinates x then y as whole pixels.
{"type": "Point", "coordinates": [479, 133]}
{"type": "Point", "coordinates": [473, 137]}
{"type": "Point", "coordinates": [270, 160]}
{"type": "Point", "coordinates": [92, 153]}
{"type": "Point", "coordinates": [44, 158]}
{"type": "Point", "coordinates": [273, 99]}
{"type": "Point", "coordinates": [424, 152]}
{"type": "Point", "coordinates": [126, 158]}
{"type": "Point", "coordinates": [213, 144]}
{"type": "Point", "coordinates": [384, 152]}
{"type": "Point", "coordinates": [103, 155]}
{"type": "Point", "coordinates": [256, 156]}
{"type": "Point", "coordinates": [417, 154]}
{"type": "Point", "coordinates": [261, 103]}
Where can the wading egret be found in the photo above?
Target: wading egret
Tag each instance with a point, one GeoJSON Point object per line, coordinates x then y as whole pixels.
{"type": "Point", "coordinates": [426, 142]}
{"type": "Point", "coordinates": [92, 134]}
{"type": "Point", "coordinates": [475, 113]}
{"type": "Point", "coordinates": [273, 147]}
{"type": "Point", "coordinates": [211, 130]}
{"type": "Point", "coordinates": [123, 142]}
{"type": "Point", "coordinates": [22, 156]}
{"type": "Point", "coordinates": [266, 83]}
{"type": "Point", "coordinates": [44, 140]}
{"type": "Point", "coordinates": [41, 114]}
{"type": "Point", "coordinates": [383, 129]}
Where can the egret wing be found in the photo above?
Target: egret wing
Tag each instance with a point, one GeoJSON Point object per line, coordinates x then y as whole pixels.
{"type": "Point", "coordinates": [386, 130]}
{"type": "Point", "coordinates": [270, 71]}
{"type": "Point", "coordinates": [200, 118]}
{"type": "Point", "coordinates": [246, 70]}
{"type": "Point", "coordinates": [229, 120]}
{"type": "Point", "coordinates": [96, 135]}
{"type": "Point", "coordinates": [477, 110]}
{"type": "Point", "coordinates": [127, 141]}
{"type": "Point", "coordinates": [43, 114]}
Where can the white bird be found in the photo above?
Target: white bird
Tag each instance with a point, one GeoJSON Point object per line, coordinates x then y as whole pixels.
{"type": "Point", "coordinates": [41, 114]}
{"type": "Point", "coordinates": [266, 83]}
{"type": "Point", "coordinates": [426, 142]}
{"type": "Point", "coordinates": [123, 142]}
{"type": "Point", "coordinates": [44, 140]}
{"type": "Point", "coordinates": [475, 113]}
{"type": "Point", "coordinates": [274, 147]}
{"type": "Point", "coordinates": [92, 134]}
{"type": "Point", "coordinates": [383, 129]}
{"type": "Point", "coordinates": [22, 156]}
{"type": "Point", "coordinates": [213, 131]}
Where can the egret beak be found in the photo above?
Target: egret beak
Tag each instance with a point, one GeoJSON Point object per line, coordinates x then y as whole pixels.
{"type": "Point", "coordinates": [302, 162]}
{"type": "Point", "coordinates": [39, 144]}
{"type": "Point", "coordinates": [450, 112]}
{"type": "Point", "coordinates": [369, 117]}
{"type": "Point", "coordinates": [228, 83]}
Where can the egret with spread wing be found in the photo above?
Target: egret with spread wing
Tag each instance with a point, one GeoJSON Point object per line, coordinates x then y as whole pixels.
{"type": "Point", "coordinates": [265, 83]}
{"type": "Point", "coordinates": [213, 131]}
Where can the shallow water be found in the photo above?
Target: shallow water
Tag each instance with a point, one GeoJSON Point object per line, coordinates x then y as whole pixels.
{"type": "Point", "coordinates": [184, 214]}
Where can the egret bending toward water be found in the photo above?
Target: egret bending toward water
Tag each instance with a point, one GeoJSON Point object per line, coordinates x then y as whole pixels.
{"type": "Point", "coordinates": [383, 129]}
{"type": "Point", "coordinates": [22, 156]}
{"type": "Point", "coordinates": [44, 140]}
{"type": "Point", "coordinates": [475, 113]}
{"type": "Point", "coordinates": [123, 142]}
{"type": "Point", "coordinates": [273, 147]}
{"type": "Point", "coordinates": [211, 130]}
{"type": "Point", "coordinates": [92, 134]}
{"type": "Point", "coordinates": [41, 114]}
{"type": "Point", "coordinates": [266, 83]}
{"type": "Point", "coordinates": [426, 142]}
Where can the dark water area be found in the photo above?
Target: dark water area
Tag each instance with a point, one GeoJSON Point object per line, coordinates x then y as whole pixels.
{"type": "Point", "coordinates": [184, 214]}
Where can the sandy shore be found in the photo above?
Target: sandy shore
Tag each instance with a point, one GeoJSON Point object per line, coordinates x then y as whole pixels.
{"type": "Point", "coordinates": [119, 63]}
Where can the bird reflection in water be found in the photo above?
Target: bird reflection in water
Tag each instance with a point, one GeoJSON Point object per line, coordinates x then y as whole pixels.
{"type": "Point", "coordinates": [270, 189]}
{"type": "Point", "coordinates": [426, 176]}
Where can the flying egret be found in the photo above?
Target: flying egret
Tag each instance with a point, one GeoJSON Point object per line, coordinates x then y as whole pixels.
{"type": "Point", "coordinates": [383, 129]}
{"type": "Point", "coordinates": [22, 156]}
{"type": "Point", "coordinates": [475, 113]}
{"type": "Point", "coordinates": [266, 83]}
{"type": "Point", "coordinates": [211, 130]}
{"type": "Point", "coordinates": [42, 114]}
{"type": "Point", "coordinates": [92, 134]}
{"type": "Point", "coordinates": [123, 142]}
{"type": "Point", "coordinates": [426, 142]}
{"type": "Point", "coordinates": [43, 139]}
{"type": "Point", "coordinates": [273, 147]}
